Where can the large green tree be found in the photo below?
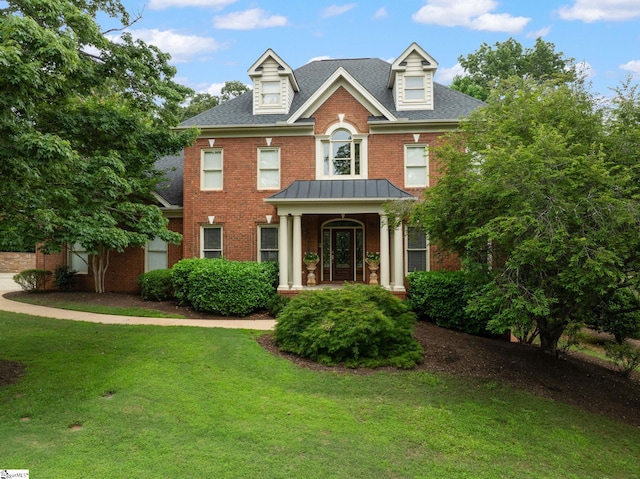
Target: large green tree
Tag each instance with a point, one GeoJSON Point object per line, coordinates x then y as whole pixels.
{"type": "Point", "coordinates": [489, 65]}
{"type": "Point", "coordinates": [537, 198]}
{"type": "Point", "coordinates": [82, 121]}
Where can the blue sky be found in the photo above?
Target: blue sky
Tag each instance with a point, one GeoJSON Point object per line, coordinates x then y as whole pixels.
{"type": "Point", "coordinates": [213, 41]}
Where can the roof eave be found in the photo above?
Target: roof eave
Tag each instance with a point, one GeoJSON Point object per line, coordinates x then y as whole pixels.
{"type": "Point", "coordinates": [276, 201]}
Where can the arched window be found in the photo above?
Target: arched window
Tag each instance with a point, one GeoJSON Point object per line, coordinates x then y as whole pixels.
{"type": "Point", "coordinates": [341, 154]}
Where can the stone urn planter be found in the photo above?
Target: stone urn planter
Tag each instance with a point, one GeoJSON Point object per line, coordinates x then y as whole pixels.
{"type": "Point", "coordinates": [311, 263]}
{"type": "Point", "coordinates": [373, 262]}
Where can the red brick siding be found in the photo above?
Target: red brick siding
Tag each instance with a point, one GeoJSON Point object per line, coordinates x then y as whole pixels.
{"type": "Point", "coordinates": [124, 268]}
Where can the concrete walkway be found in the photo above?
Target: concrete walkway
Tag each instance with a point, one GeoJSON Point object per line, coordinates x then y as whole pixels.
{"type": "Point", "coordinates": [7, 284]}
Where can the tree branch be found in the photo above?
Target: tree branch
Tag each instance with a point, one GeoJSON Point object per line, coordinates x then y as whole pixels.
{"type": "Point", "coordinates": [124, 27]}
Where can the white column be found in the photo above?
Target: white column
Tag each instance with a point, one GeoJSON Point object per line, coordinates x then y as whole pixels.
{"type": "Point", "coordinates": [384, 251]}
{"type": "Point", "coordinates": [297, 252]}
{"type": "Point", "coordinates": [398, 267]}
{"type": "Point", "coordinates": [283, 253]}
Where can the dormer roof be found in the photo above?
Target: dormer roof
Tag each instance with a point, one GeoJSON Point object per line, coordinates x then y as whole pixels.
{"type": "Point", "coordinates": [257, 69]}
{"type": "Point", "coordinates": [400, 64]}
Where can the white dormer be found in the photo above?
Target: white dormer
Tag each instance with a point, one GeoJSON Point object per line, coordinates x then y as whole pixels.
{"type": "Point", "coordinates": [411, 79]}
{"type": "Point", "coordinates": [273, 84]}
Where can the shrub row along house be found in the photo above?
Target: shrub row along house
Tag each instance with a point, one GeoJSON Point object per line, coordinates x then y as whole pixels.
{"type": "Point", "coordinates": [304, 163]}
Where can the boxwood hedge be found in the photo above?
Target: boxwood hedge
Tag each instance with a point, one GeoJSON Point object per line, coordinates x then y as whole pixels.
{"type": "Point", "coordinates": [228, 288]}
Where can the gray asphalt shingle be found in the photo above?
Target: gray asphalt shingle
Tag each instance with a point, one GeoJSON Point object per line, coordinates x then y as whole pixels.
{"type": "Point", "coordinates": [371, 73]}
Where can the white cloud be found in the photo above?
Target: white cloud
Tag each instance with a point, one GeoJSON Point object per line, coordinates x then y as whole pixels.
{"type": "Point", "coordinates": [446, 75]}
{"type": "Point", "coordinates": [181, 47]}
{"type": "Point", "coordinates": [543, 32]}
{"type": "Point", "coordinates": [632, 66]}
{"type": "Point", "coordinates": [162, 4]}
{"type": "Point", "coordinates": [380, 13]}
{"type": "Point", "coordinates": [595, 10]}
{"type": "Point", "coordinates": [473, 14]}
{"type": "Point", "coordinates": [249, 20]}
{"type": "Point", "coordinates": [335, 10]}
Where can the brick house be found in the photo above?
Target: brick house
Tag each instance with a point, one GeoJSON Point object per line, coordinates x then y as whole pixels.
{"type": "Point", "coordinates": [305, 162]}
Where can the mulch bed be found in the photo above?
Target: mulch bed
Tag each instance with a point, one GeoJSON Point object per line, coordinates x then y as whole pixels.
{"type": "Point", "coordinates": [575, 379]}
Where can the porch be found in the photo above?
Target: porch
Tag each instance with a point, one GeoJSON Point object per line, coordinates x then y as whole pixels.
{"type": "Point", "coordinates": [340, 221]}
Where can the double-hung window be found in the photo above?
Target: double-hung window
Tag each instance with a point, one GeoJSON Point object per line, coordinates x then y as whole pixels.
{"type": "Point", "coordinates": [416, 166]}
{"type": "Point", "coordinates": [414, 88]}
{"type": "Point", "coordinates": [156, 255]}
{"type": "Point", "coordinates": [270, 93]}
{"type": "Point", "coordinates": [78, 259]}
{"type": "Point", "coordinates": [211, 242]}
{"type": "Point", "coordinates": [417, 250]}
{"type": "Point", "coordinates": [268, 243]}
{"type": "Point", "coordinates": [268, 168]}
{"type": "Point", "coordinates": [212, 169]}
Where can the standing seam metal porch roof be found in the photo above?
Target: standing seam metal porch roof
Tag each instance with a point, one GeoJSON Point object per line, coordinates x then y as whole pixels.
{"type": "Point", "coordinates": [357, 190]}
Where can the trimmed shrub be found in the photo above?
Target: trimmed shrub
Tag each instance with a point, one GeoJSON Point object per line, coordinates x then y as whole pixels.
{"type": "Point", "coordinates": [358, 326]}
{"type": "Point", "coordinates": [228, 288]}
{"type": "Point", "coordinates": [442, 297]}
{"type": "Point", "coordinates": [276, 304]}
{"type": "Point", "coordinates": [32, 280]}
{"type": "Point", "coordinates": [156, 285]}
{"type": "Point", "coordinates": [64, 278]}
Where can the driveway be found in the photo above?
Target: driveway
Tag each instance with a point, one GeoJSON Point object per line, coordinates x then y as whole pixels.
{"type": "Point", "coordinates": [7, 283]}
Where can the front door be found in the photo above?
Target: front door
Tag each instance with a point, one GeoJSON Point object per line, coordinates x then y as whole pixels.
{"type": "Point", "coordinates": [343, 254]}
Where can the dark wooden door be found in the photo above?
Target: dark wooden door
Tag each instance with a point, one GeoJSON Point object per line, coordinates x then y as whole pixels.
{"type": "Point", "coordinates": [343, 254]}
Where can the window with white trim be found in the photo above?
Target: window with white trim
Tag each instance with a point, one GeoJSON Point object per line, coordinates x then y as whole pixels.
{"type": "Point", "coordinates": [417, 250]}
{"type": "Point", "coordinates": [414, 88]}
{"type": "Point", "coordinates": [341, 154]}
{"type": "Point", "coordinates": [211, 169]}
{"type": "Point", "coordinates": [78, 259]}
{"type": "Point", "coordinates": [211, 242]}
{"type": "Point", "coordinates": [269, 168]}
{"type": "Point", "coordinates": [270, 93]}
{"type": "Point", "coordinates": [416, 166]}
{"type": "Point", "coordinates": [156, 255]}
{"type": "Point", "coordinates": [268, 243]}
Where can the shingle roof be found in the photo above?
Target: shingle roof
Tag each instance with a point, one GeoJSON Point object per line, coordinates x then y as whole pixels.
{"type": "Point", "coordinates": [171, 189]}
{"type": "Point", "coordinates": [341, 190]}
{"type": "Point", "coordinates": [371, 73]}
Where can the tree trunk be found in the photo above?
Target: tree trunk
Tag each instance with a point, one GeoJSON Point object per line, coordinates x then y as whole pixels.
{"type": "Point", "coordinates": [550, 335]}
{"type": "Point", "coordinates": [100, 263]}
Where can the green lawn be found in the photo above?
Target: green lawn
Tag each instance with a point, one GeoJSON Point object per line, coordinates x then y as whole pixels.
{"type": "Point", "coordinates": [43, 300]}
{"type": "Point", "coordinates": [180, 402]}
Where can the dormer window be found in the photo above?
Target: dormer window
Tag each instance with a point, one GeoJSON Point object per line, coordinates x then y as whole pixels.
{"type": "Point", "coordinates": [270, 93]}
{"type": "Point", "coordinates": [274, 85]}
{"type": "Point", "coordinates": [411, 79]}
{"type": "Point", "coordinates": [414, 88]}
